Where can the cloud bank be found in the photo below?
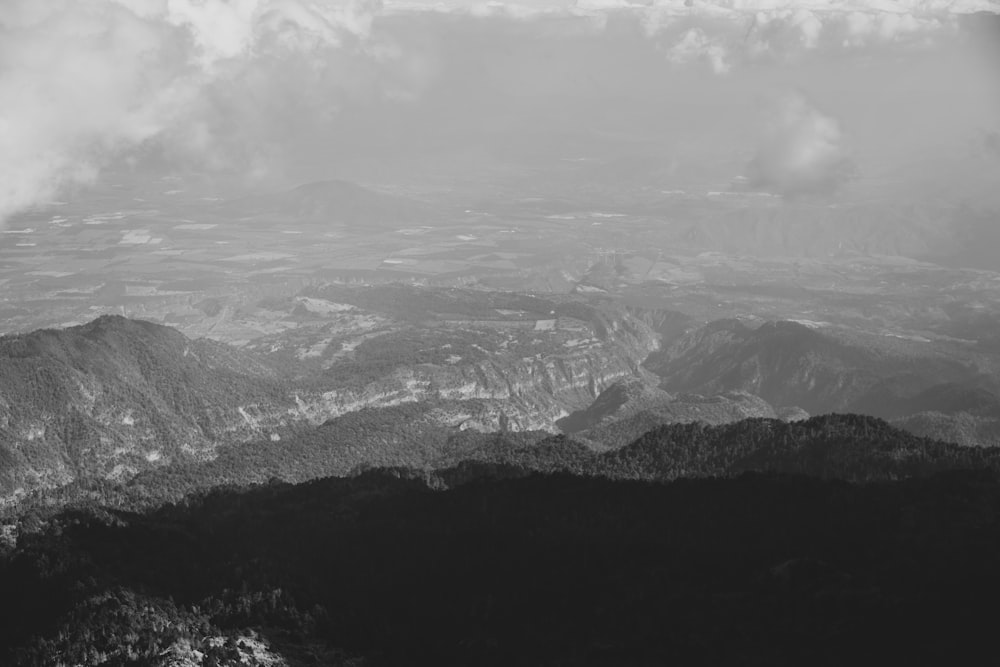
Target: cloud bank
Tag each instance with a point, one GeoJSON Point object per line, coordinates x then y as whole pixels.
{"type": "Point", "coordinates": [271, 89]}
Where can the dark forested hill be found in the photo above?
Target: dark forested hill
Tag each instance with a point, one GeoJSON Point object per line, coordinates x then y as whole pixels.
{"type": "Point", "coordinates": [847, 447]}
{"type": "Point", "coordinates": [540, 570]}
{"type": "Point", "coordinates": [407, 435]}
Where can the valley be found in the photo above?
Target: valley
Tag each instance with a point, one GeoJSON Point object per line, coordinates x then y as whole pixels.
{"type": "Point", "coordinates": [200, 264]}
{"type": "Point", "coordinates": [537, 314]}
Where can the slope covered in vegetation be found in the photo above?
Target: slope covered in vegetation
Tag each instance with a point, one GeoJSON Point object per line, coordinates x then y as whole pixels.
{"type": "Point", "coordinates": [539, 570]}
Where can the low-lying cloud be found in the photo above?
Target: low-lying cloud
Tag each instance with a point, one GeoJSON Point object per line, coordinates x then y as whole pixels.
{"type": "Point", "coordinates": [83, 83]}
{"type": "Point", "coordinates": [257, 88]}
{"type": "Point", "coordinates": [803, 152]}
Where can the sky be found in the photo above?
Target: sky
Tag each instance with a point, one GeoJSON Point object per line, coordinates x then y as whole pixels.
{"type": "Point", "coordinates": [797, 99]}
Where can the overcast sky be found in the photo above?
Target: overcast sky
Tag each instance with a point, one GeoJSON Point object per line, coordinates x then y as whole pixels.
{"type": "Point", "coordinates": [792, 97]}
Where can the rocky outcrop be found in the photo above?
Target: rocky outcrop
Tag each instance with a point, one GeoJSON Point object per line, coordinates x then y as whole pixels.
{"type": "Point", "coordinates": [528, 393]}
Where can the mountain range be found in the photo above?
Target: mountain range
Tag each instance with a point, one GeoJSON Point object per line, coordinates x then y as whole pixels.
{"type": "Point", "coordinates": [184, 502]}
{"type": "Point", "coordinates": [118, 398]}
{"type": "Point", "coordinates": [115, 397]}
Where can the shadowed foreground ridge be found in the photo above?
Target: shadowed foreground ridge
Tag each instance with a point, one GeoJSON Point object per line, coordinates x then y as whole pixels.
{"type": "Point", "coordinates": [538, 570]}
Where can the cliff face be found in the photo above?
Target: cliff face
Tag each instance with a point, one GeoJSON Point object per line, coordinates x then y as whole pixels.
{"type": "Point", "coordinates": [116, 396]}
{"type": "Point", "coordinates": [529, 393]}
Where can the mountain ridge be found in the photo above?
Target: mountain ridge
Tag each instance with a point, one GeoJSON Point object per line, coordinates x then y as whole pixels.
{"type": "Point", "coordinates": [789, 364]}
{"type": "Point", "coordinates": [115, 397]}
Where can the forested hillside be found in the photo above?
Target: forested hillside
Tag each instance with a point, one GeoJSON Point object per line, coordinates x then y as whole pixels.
{"type": "Point", "coordinates": [543, 570]}
{"type": "Point", "coordinates": [113, 396]}
{"type": "Point", "coordinates": [844, 447]}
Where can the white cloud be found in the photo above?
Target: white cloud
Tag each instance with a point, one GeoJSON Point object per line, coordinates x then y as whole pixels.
{"type": "Point", "coordinates": [809, 26]}
{"type": "Point", "coordinates": [86, 81]}
{"type": "Point", "coordinates": [803, 151]}
{"type": "Point", "coordinates": [252, 84]}
{"type": "Point", "coordinates": [714, 7]}
{"type": "Point", "coordinates": [753, 29]}
{"type": "Point", "coordinates": [695, 45]}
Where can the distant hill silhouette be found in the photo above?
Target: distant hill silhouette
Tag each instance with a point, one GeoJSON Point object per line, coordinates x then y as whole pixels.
{"type": "Point", "coordinates": [848, 447]}
{"type": "Point", "coordinates": [789, 364]}
{"type": "Point", "coordinates": [629, 408]}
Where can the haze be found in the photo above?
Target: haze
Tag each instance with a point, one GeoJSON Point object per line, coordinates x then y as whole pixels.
{"type": "Point", "coordinates": [845, 100]}
{"type": "Point", "coordinates": [245, 144]}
